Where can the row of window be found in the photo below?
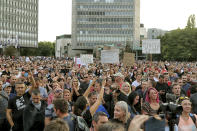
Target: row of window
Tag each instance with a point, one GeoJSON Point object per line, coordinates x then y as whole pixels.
{"type": "Point", "coordinates": [18, 12]}
{"type": "Point", "coordinates": [104, 26]}
{"type": "Point", "coordinates": [14, 34]}
{"type": "Point", "coordinates": [18, 27]}
{"type": "Point", "coordinates": [104, 39]}
{"type": "Point", "coordinates": [95, 32]}
{"type": "Point", "coordinates": [20, 43]}
{"type": "Point", "coordinates": [95, 44]}
{"type": "Point", "coordinates": [14, 20]}
{"type": "Point", "coordinates": [105, 20]}
{"type": "Point", "coordinates": [114, 13]}
{"type": "Point", "coordinates": [23, 5]}
{"type": "Point", "coordinates": [128, 6]}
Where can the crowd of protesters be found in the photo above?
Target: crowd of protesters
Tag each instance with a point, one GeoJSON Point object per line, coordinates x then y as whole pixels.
{"type": "Point", "coordinates": [57, 95]}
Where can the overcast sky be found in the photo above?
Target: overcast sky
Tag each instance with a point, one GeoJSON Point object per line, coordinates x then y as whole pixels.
{"type": "Point", "coordinates": [55, 15]}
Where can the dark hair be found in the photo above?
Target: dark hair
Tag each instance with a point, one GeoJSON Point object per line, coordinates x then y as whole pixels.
{"type": "Point", "coordinates": [99, 81]}
{"type": "Point", "coordinates": [161, 76]}
{"type": "Point", "coordinates": [80, 105]}
{"type": "Point", "coordinates": [111, 127]}
{"type": "Point", "coordinates": [92, 94]}
{"type": "Point", "coordinates": [61, 104]}
{"type": "Point", "coordinates": [57, 125]}
{"type": "Point", "coordinates": [36, 92]}
{"type": "Point", "coordinates": [132, 97]}
{"type": "Point", "coordinates": [97, 114]}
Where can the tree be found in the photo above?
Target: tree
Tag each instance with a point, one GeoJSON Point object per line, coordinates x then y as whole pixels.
{"type": "Point", "coordinates": [180, 44]}
{"type": "Point", "coordinates": [191, 23]}
{"type": "Point", "coordinates": [45, 48]}
{"type": "Point", "coordinates": [10, 51]}
{"type": "Point", "coordinates": [128, 47]}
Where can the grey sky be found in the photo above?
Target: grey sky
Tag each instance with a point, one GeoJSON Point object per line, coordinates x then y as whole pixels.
{"type": "Point", "coordinates": [55, 15]}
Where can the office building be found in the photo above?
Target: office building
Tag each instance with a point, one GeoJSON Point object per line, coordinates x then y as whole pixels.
{"type": "Point", "coordinates": [19, 23]}
{"type": "Point", "coordinates": [104, 22]}
{"type": "Point", "coordinates": [63, 46]}
{"type": "Point", "coordinates": [153, 33]}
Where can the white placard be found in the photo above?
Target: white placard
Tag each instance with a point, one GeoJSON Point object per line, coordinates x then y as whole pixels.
{"type": "Point", "coordinates": [110, 56]}
{"type": "Point", "coordinates": [78, 61]}
{"type": "Point", "coordinates": [27, 59]}
{"type": "Point", "coordinates": [151, 46]}
{"type": "Point", "coordinates": [86, 59]}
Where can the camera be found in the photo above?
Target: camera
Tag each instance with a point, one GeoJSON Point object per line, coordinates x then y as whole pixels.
{"type": "Point", "coordinates": [171, 111]}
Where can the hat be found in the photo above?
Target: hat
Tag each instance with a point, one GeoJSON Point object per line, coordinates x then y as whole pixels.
{"type": "Point", "coordinates": [6, 85]}
{"type": "Point", "coordinates": [118, 75]}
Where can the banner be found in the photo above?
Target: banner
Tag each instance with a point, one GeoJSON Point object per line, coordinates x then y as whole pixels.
{"type": "Point", "coordinates": [86, 59]}
{"type": "Point", "coordinates": [151, 46]}
{"type": "Point", "coordinates": [110, 56]}
{"type": "Point", "coordinates": [128, 59]}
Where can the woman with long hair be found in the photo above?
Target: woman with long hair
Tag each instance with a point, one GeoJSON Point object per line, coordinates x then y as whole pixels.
{"type": "Point", "coordinates": [121, 114]}
{"type": "Point", "coordinates": [75, 90]}
{"type": "Point", "coordinates": [126, 88]}
{"type": "Point", "coordinates": [134, 104]}
{"type": "Point", "coordinates": [152, 103]}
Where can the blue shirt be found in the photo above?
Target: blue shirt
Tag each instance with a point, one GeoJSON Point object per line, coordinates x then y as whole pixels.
{"type": "Point", "coordinates": [186, 87]}
{"type": "Point", "coordinates": [102, 109]}
{"type": "Point", "coordinates": [70, 122]}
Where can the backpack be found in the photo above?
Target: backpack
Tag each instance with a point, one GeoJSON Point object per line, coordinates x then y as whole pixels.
{"type": "Point", "coordinates": [80, 123]}
{"type": "Point", "coordinates": [191, 115]}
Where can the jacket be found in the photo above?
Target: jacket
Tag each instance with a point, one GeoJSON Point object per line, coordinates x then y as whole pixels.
{"type": "Point", "coordinates": [33, 119]}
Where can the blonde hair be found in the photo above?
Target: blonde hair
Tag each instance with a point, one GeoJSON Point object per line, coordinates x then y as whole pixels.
{"type": "Point", "coordinates": [124, 84]}
{"type": "Point", "coordinates": [123, 105]}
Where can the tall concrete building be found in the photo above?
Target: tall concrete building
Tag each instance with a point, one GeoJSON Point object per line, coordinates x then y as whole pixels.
{"type": "Point", "coordinates": [19, 23]}
{"type": "Point", "coordinates": [104, 22]}
{"type": "Point", "coordinates": [153, 33]}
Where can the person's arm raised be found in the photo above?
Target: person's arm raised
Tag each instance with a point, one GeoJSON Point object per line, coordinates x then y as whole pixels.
{"type": "Point", "coordinates": [34, 86]}
{"type": "Point", "coordinates": [95, 106]}
{"type": "Point", "coordinates": [89, 88]}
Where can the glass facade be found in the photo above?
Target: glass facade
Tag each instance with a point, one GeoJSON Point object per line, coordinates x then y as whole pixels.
{"type": "Point", "coordinates": [102, 22]}
{"type": "Point", "coordinates": [19, 22]}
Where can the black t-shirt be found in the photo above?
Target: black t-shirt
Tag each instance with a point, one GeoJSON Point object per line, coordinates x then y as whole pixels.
{"type": "Point", "coordinates": [74, 97]}
{"type": "Point", "coordinates": [17, 104]}
{"type": "Point", "coordinates": [87, 117]}
{"type": "Point", "coordinates": [84, 86]}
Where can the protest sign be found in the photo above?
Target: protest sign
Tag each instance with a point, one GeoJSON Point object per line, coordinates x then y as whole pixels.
{"type": "Point", "coordinates": [151, 46]}
{"type": "Point", "coordinates": [86, 59]}
{"type": "Point", "coordinates": [129, 59]}
{"type": "Point", "coordinates": [110, 56]}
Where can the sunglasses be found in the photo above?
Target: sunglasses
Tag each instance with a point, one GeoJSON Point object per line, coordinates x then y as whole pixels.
{"type": "Point", "coordinates": [58, 91]}
{"type": "Point", "coordinates": [184, 98]}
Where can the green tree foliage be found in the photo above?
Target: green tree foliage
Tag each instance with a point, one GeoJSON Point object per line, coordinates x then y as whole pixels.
{"type": "Point", "coordinates": [128, 47]}
{"type": "Point", "coordinates": [191, 23]}
{"type": "Point", "coordinates": [10, 51]}
{"type": "Point", "coordinates": [44, 49]}
{"type": "Point", "coordinates": [180, 44]}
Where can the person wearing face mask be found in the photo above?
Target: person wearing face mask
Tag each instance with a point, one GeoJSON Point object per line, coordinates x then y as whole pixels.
{"type": "Point", "coordinates": [34, 113]}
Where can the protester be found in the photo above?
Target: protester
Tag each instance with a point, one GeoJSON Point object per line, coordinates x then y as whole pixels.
{"type": "Point", "coordinates": [121, 114]}
{"type": "Point", "coordinates": [151, 104]}
{"type": "Point", "coordinates": [134, 104]}
{"type": "Point", "coordinates": [98, 119]}
{"type": "Point", "coordinates": [3, 106]}
{"type": "Point", "coordinates": [61, 110]}
{"type": "Point", "coordinates": [16, 106]}
{"type": "Point", "coordinates": [34, 113]}
{"type": "Point", "coordinates": [86, 92]}
{"type": "Point", "coordinates": [57, 125]}
{"type": "Point", "coordinates": [187, 121]}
